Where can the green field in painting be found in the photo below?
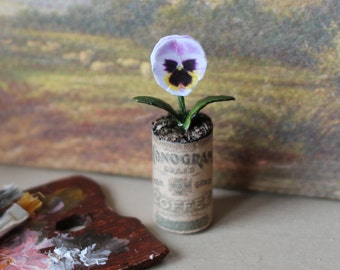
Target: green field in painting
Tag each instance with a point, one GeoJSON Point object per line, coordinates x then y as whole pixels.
{"type": "Point", "coordinates": [66, 101]}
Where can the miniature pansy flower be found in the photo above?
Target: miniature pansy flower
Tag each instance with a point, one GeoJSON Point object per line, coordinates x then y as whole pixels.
{"type": "Point", "coordinates": [178, 63]}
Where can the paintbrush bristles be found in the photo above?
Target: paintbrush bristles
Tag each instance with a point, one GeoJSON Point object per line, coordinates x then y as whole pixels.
{"type": "Point", "coordinates": [29, 203]}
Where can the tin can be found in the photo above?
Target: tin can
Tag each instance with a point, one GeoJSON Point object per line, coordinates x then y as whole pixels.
{"type": "Point", "coordinates": [182, 184]}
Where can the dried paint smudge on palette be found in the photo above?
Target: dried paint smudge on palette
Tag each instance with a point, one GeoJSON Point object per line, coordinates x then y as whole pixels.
{"type": "Point", "coordinates": [64, 252]}
{"type": "Point", "coordinates": [29, 247]}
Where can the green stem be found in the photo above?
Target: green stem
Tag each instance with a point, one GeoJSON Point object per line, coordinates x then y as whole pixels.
{"type": "Point", "coordinates": [182, 109]}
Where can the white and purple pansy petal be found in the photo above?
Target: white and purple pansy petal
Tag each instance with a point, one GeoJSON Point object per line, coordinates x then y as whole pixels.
{"type": "Point", "coordinates": [178, 63]}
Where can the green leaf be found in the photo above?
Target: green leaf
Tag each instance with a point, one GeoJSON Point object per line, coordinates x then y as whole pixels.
{"type": "Point", "coordinates": [199, 105]}
{"type": "Point", "coordinates": [159, 104]}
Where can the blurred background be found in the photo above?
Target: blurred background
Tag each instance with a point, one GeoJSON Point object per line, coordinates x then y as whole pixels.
{"type": "Point", "coordinates": [69, 70]}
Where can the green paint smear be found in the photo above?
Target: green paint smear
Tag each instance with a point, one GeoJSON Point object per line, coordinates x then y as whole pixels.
{"type": "Point", "coordinates": [70, 197]}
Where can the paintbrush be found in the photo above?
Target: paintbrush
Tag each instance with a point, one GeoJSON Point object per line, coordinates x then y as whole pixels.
{"type": "Point", "coordinates": [9, 194]}
{"type": "Point", "coordinates": [19, 212]}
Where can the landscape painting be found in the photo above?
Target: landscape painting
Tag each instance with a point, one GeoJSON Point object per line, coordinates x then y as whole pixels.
{"type": "Point", "coordinates": [69, 71]}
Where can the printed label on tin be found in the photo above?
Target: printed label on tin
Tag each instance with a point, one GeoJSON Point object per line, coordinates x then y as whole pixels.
{"type": "Point", "coordinates": [182, 183]}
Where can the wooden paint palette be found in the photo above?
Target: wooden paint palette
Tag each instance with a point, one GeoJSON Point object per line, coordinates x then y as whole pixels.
{"type": "Point", "coordinates": [76, 216]}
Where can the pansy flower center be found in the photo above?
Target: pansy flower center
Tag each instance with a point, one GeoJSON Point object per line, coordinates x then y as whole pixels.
{"type": "Point", "coordinates": [180, 75]}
